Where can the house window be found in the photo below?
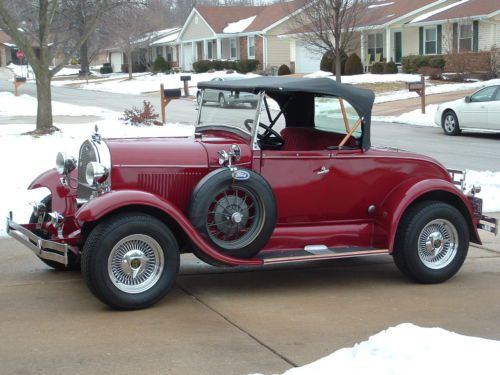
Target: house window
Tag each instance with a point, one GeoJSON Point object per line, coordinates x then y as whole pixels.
{"type": "Point", "coordinates": [465, 37]}
{"type": "Point", "coordinates": [375, 45]}
{"type": "Point", "coordinates": [210, 50]}
{"type": "Point", "coordinates": [233, 49]}
{"type": "Point", "coordinates": [430, 41]}
{"type": "Point", "coordinates": [251, 47]}
{"type": "Point", "coordinates": [159, 51]}
{"type": "Point", "coordinates": [169, 54]}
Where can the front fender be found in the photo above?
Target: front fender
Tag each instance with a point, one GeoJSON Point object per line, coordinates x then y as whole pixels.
{"type": "Point", "coordinates": [99, 207]}
{"type": "Point", "coordinates": [51, 180]}
{"type": "Point", "coordinates": [410, 191]}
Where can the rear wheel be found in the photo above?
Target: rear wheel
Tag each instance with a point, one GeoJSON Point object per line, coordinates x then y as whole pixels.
{"type": "Point", "coordinates": [432, 242]}
{"type": "Point", "coordinates": [450, 123]}
{"type": "Point", "coordinates": [222, 101]}
{"type": "Point", "coordinates": [130, 262]}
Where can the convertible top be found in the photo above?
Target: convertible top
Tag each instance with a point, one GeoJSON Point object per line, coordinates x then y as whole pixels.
{"type": "Point", "coordinates": [303, 90]}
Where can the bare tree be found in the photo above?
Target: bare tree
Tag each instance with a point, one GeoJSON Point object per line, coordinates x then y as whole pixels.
{"type": "Point", "coordinates": [41, 29]}
{"type": "Point", "coordinates": [328, 26]}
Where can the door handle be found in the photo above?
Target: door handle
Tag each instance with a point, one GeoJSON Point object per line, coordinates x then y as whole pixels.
{"type": "Point", "coordinates": [323, 170]}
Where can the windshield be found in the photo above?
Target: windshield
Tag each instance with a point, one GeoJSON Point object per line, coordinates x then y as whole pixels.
{"type": "Point", "coordinates": [228, 108]}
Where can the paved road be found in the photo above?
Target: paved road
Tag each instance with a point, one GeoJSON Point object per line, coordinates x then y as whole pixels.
{"type": "Point", "coordinates": [218, 321]}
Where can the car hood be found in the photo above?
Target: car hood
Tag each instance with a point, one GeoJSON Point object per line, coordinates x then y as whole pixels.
{"type": "Point", "coordinates": [157, 152]}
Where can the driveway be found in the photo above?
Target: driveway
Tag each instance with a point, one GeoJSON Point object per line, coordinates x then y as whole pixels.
{"type": "Point", "coordinates": [229, 321]}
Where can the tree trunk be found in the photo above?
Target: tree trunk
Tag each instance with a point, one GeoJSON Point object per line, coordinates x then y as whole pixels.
{"type": "Point", "coordinates": [84, 60]}
{"type": "Point", "coordinates": [44, 122]}
{"type": "Point", "coordinates": [338, 67]}
{"type": "Point", "coordinates": [129, 58]}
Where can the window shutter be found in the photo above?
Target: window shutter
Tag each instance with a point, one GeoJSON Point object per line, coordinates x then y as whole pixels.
{"type": "Point", "coordinates": [420, 40]}
{"type": "Point", "coordinates": [439, 35]}
{"type": "Point", "coordinates": [455, 37]}
{"type": "Point", "coordinates": [475, 36]}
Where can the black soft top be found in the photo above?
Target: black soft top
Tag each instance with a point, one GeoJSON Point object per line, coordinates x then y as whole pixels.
{"type": "Point", "coordinates": [297, 95]}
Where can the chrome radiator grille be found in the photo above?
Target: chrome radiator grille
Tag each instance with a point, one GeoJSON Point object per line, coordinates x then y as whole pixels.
{"type": "Point", "coordinates": [87, 154]}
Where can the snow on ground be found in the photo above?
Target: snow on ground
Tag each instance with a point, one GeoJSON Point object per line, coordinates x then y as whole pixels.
{"type": "Point", "coordinates": [415, 117]}
{"type": "Point", "coordinates": [25, 157]}
{"type": "Point", "coordinates": [409, 349]}
{"type": "Point", "coordinates": [151, 82]}
{"type": "Point", "coordinates": [368, 77]}
{"type": "Point", "coordinates": [490, 188]}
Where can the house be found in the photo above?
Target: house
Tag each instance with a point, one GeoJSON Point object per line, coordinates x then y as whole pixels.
{"type": "Point", "coordinates": [238, 33]}
{"type": "Point", "coordinates": [147, 48]}
{"type": "Point", "coordinates": [7, 50]}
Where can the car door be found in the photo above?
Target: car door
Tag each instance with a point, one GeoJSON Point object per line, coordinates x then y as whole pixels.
{"type": "Point", "coordinates": [210, 94]}
{"type": "Point", "coordinates": [494, 111]}
{"type": "Point", "coordinates": [474, 114]}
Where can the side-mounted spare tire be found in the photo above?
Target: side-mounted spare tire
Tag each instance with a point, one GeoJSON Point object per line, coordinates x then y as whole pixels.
{"type": "Point", "coordinates": [235, 215]}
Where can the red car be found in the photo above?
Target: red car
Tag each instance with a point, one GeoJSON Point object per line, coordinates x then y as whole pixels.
{"type": "Point", "coordinates": [295, 179]}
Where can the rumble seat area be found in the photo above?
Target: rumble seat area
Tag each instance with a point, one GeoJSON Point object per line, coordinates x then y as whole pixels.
{"type": "Point", "coordinates": [304, 139]}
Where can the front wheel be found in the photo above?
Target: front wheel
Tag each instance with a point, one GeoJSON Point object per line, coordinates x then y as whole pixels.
{"type": "Point", "coordinates": [222, 101]}
{"type": "Point", "coordinates": [130, 262]}
{"type": "Point", "coordinates": [432, 242]}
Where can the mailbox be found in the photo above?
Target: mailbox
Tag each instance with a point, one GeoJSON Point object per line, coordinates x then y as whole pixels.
{"type": "Point", "coordinates": [415, 86]}
{"type": "Point", "coordinates": [172, 93]}
{"type": "Point", "coordinates": [20, 79]}
{"type": "Point", "coordinates": [185, 78]}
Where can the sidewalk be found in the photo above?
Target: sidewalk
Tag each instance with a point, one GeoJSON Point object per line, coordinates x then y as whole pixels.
{"type": "Point", "coordinates": [406, 105]}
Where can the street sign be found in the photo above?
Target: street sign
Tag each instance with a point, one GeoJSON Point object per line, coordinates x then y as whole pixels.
{"type": "Point", "coordinates": [20, 55]}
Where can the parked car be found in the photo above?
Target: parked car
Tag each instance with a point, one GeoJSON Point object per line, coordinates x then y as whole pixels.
{"type": "Point", "coordinates": [240, 191]}
{"type": "Point", "coordinates": [226, 98]}
{"type": "Point", "coordinates": [480, 111]}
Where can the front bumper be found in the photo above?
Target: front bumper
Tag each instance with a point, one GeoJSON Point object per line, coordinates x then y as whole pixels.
{"type": "Point", "coordinates": [44, 249]}
{"type": "Point", "coordinates": [489, 224]}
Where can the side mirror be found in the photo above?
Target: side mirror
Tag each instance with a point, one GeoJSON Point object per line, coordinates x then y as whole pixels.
{"type": "Point", "coordinates": [467, 99]}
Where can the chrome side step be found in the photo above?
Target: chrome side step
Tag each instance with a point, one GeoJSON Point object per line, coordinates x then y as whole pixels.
{"type": "Point", "coordinates": [285, 256]}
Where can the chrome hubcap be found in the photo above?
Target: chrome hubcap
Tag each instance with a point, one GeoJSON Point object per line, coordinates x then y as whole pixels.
{"type": "Point", "coordinates": [136, 263]}
{"type": "Point", "coordinates": [438, 244]}
{"type": "Point", "coordinates": [449, 123]}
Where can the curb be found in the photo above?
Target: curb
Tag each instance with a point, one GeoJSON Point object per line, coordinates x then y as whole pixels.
{"type": "Point", "coordinates": [485, 248]}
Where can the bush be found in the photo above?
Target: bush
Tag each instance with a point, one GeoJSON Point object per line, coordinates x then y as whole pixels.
{"type": "Point", "coordinates": [284, 70]}
{"type": "Point", "coordinates": [378, 68]}
{"type": "Point", "coordinates": [160, 65]}
{"type": "Point", "coordinates": [326, 64]}
{"type": "Point", "coordinates": [247, 66]}
{"type": "Point", "coordinates": [353, 65]}
{"type": "Point", "coordinates": [390, 68]}
{"type": "Point", "coordinates": [106, 68]}
{"type": "Point", "coordinates": [412, 63]}
{"type": "Point", "coordinates": [141, 116]}
{"type": "Point", "coordinates": [432, 73]}
{"type": "Point", "coordinates": [202, 66]}
{"type": "Point", "coordinates": [437, 62]}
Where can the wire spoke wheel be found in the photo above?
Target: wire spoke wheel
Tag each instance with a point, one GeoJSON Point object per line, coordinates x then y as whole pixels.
{"type": "Point", "coordinates": [438, 244]}
{"type": "Point", "coordinates": [135, 263]}
{"type": "Point", "coordinates": [234, 218]}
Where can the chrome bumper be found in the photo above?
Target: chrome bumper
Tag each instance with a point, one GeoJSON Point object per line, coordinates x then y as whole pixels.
{"type": "Point", "coordinates": [489, 224]}
{"type": "Point", "coordinates": [45, 249]}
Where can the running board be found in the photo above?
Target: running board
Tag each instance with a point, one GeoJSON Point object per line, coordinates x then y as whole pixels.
{"type": "Point", "coordinates": [316, 253]}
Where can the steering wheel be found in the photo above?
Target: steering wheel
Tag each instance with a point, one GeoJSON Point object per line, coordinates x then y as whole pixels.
{"type": "Point", "coordinates": [276, 141]}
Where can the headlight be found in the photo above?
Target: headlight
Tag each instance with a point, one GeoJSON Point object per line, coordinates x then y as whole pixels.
{"type": "Point", "coordinates": [96, 173]}
{"type": "Point", "coordinates": [65, 163]}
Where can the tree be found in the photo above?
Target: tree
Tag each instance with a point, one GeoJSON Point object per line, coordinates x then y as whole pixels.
{"type": "Point", "coordinates": [327, 26]}
{"type": "Point", "coordinates": [41, 29]}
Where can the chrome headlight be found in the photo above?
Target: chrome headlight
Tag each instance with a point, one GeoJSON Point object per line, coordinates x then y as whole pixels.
{"type": "Point", "coordinates": [65, 163]}
{"type": "Point", "coordinates": [96, 173]}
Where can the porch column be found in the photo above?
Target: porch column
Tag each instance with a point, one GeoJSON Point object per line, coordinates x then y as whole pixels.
{"type": "Point", "coordinates": [205, 50]}
{"type": "Point", "coordinates": [388, 53]}
{"type": "Point", "coordinates": [219, 49]}
{"type": "Point", "coordinates": [363, 51]}
{"type": "Point", "coordinates": [181, 56]}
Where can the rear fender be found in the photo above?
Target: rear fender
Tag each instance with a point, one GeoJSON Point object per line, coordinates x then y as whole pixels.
{"type": "Point", "coordinates": [61, 194]}
{"type": "Point", "coordinates": [100, 207]}
{"type": "Point", "coordinates": [411, 191]}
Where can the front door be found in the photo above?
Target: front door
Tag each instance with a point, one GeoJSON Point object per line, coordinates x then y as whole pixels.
{"type": "Point", "coordinates": [398, 46]}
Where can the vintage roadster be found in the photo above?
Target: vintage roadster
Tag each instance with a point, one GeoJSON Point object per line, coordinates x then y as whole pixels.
{"type": "Point", "coordinates": [295, 179]}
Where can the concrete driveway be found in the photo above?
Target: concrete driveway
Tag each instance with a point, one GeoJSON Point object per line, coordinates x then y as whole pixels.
{"type": "Point", "coordinates": [229, 321]}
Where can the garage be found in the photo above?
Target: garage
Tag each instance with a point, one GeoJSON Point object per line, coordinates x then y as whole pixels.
{"type": "Point", "coordinates": [306, 61]}
{"type": "Point", "coordinates": [116, 60]}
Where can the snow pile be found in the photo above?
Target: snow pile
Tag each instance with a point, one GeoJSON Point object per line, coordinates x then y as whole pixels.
{"type": "Point", "coordinates": [22, 70]}
{"type": "Point", "coordinates": [239, 26]}
{"type": "Point", "coordinates": [25, 157]}
{"type": "Point", "coordinates": [409, 349]}
{"type": "Point", "coordinates": [151, 83]}
{"type": "Point", "coordinates": [415, 117]}
{"type": "Point", "coordinates": [490, 188]}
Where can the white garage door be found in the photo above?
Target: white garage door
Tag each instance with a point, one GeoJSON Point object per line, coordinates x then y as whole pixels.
{"type": "Point", "coordinates": [116, 61]}
{"type": "Point", "coordinates": [306, 61]}
{"type": "Point", "coordinates": [187, 56]}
